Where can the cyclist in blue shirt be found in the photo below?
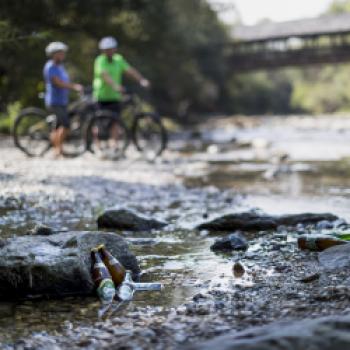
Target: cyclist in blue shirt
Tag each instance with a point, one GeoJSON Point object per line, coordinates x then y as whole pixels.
{"type": "Point", "coordinates": [57, 86]}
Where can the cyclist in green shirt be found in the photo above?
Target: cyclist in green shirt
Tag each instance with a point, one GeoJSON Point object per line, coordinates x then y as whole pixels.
{"type": "Point", "coordinates": [109, 68]}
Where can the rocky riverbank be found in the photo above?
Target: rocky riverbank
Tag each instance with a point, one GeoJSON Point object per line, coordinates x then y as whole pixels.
{"type": "Point", "coordinates": [204, 297]}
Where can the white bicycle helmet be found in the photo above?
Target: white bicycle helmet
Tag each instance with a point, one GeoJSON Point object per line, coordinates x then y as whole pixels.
{"type": "Point", "coordinates": [107, 42]}
{"type": "Point", "coordinates": [55, 46]}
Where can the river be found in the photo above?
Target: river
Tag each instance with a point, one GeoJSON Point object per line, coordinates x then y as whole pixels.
{"type": "Point", "coordinates": [278, 165]}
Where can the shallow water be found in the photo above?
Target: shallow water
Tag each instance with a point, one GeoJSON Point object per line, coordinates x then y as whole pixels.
{"type": "Point", "coordinates": [177, 259]}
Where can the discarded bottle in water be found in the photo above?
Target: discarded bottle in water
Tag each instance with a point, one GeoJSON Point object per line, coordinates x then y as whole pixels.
{"type": "Point", "coordinates": [143, 286]}
{"type": "Point", "coordinates": [128, 287]}
{"type": "Point", "coordinates": [102, 278]}
{"type": "Point", "coordinates": [148, 286]}
{"type": "Point", "coordinates": [115, 268]}
{"type": "Point", "coordinates": [126, 290]}
{"type": "Point", "coordinates": [318, 242]}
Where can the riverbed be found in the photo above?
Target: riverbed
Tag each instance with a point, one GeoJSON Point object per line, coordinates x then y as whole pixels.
{"type": "Point", "coordinates": [277, 165]}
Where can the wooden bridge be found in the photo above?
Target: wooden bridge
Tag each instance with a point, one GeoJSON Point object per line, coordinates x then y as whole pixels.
{"type": "Point", "coordinates": [325, 39]}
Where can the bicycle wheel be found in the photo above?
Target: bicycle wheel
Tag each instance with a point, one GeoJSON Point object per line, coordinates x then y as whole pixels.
{"type": "Point", "coordinates": [31, 132]}
{"type": "Point", "coordinates": [74, 145]}
{"type": "Point", "coordinates": [107, 136]}
{"type": "Point", "coordinates": [149, 135]}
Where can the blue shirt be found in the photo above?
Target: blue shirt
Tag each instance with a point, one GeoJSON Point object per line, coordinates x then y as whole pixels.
{"type": "Point", "coordinates": [55, 96]}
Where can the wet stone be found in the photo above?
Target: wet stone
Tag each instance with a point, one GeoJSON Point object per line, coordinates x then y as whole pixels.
{"type": "Point", "coordinates": [125, 219]}
{"type": "Point", "coordinates": [10, 203]}
{"type": "Point", "coordinates": [238, 269]}
{"type": "Point", "coordinates": [254, 221]}
{"type": "Point", "coordinates": [336, 258]}
{"type": "Point", "coordinates": [340, 223]}
{"type": "Point", "coordinates": [324, 225]}
{"type": "Point", "coordinates": [305, 218]}
{"type": "Point", "coordinates": [234, 241]}
{"type": "Point", "coordinates": [299, 335]}
{"type": "Point", "coordinates": [41, 230]}
{"type": "Point", "coordinates": [248, 221]}
{"type": "Point", "coordinates": [46, 265]}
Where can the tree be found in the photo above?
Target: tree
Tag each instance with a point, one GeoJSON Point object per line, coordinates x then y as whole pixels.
{"type": "Point", "coordinates": [165, 39]}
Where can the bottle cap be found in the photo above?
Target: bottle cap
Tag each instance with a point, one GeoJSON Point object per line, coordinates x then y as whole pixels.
{"type": "Point", "coordinates": [101, 246]}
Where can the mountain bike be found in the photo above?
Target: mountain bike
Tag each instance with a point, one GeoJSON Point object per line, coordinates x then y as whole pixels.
{"type": "Point", "coordinates": [94, 129]}
{"type": "Point", "coordinates": [144, 127]}
{"type": "Point", "coordinates": [33, 126]}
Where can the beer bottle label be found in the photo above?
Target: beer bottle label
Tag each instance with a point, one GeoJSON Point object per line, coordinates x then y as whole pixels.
{"type": "Point", "coordinates": [106, 291]}
{"type": "Point", "coordinates": [99, 266]}
{"type": "Point", "coordinates": [113, 261]}
{"type": "Point", "coordinates": [126, 292]}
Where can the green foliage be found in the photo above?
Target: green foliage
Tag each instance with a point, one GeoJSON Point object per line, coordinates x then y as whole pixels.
{"type": "Point", "coordinates": [340, 6]}
{"type": "Point", "coordinates": [7, 118]}
{"type": "Point", "coordinates": [261, 93]}
{"type": "Point", "coordinates": [323, 90]}
{"type": "Point", "coordinates": [162, 38]}
{"type": "Point", "coordinates": [178, 45]}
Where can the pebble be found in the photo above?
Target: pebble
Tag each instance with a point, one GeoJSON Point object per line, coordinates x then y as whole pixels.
{"type": "Point", "coordinates": [238, 269]}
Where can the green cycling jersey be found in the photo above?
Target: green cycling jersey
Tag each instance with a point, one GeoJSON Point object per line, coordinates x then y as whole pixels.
{"type": "Point", "coordinates": [115, 69]}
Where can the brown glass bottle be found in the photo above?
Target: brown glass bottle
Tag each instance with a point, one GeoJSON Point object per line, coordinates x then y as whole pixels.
{"type": "Point", "coordinates": [115, 268]}
{"type": "Point", "coordinates": [99, 271]}
{"type": "Point", "coordinates": [102, 278]}
{"type": "Point", "coordinates": [318, 243]}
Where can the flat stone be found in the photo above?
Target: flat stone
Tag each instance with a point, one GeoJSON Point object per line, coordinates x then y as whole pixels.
{"type": "Point", "coordinates": [246, 221]}
{"type": "Point", "coordinates": [42, 230]}
{"type": "Point", "coordinates": [251, 221]}
{"type": "Point", "coordinates": [305, 218]}
{"type": "Point", "coordinates": [234, 241]}
{"type": "Point", "coordinates": [56, 265]}
{"type": "Point", "coordinates": [326, 333]}
{"type": "Point", "coordinates": [125, 219]}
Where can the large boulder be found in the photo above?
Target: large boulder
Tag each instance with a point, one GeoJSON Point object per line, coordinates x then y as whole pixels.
{"type": "Point", "coordinates": [56, 265]}
{"type": "Point", "coordinates": [252, 221]}
{"type": "Point", "coordinates": [327, 333]}
{"type": "Point", "coordinates": [125, 219]}
{"type": "Point", "coordinates": [335, 258]}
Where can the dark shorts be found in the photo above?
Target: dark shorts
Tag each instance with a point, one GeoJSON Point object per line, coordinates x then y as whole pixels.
{"type": "Point", "coordinates": [113, 106]}
{"type": "Point", "coordinates": [61, 113]}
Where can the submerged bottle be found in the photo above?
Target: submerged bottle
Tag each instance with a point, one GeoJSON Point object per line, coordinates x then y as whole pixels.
{"type": "Point", "coordinates": [102, 279]}
{"type": "Point", "coordinates": [318, 243]}
{"type": "Point", "coordinates": [115, 268]}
